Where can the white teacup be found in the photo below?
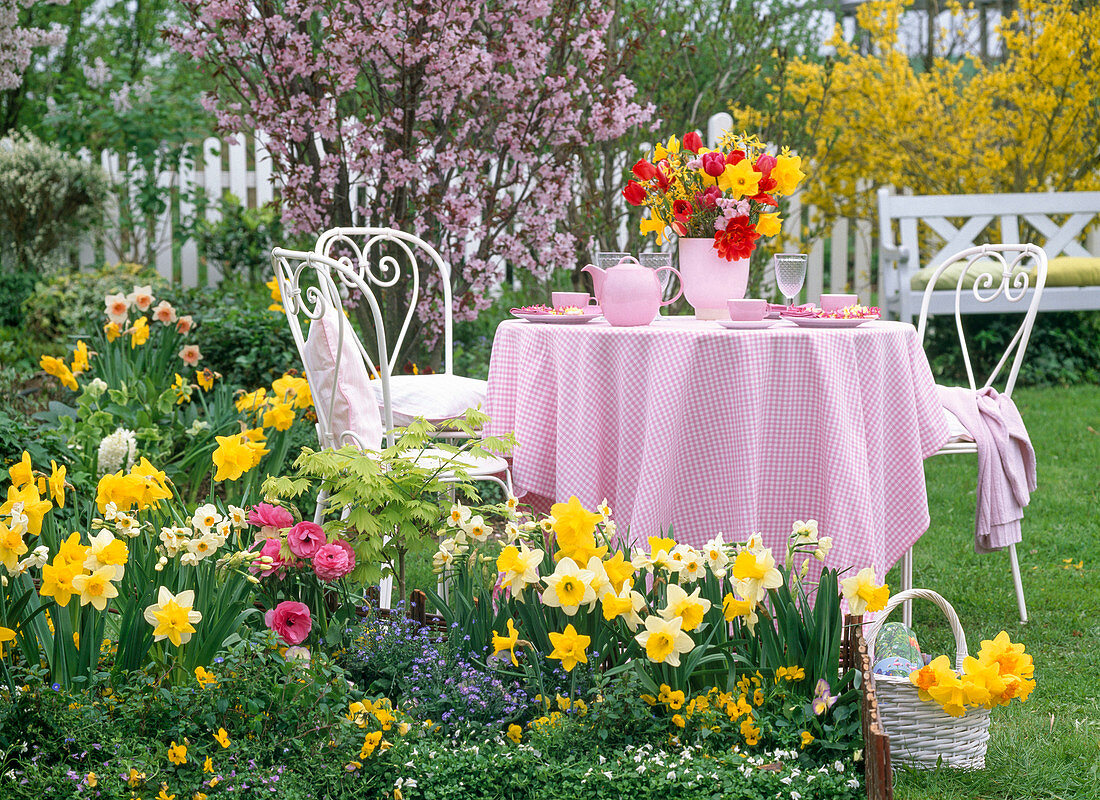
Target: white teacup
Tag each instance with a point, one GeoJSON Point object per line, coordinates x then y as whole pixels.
{"type": "Point", "coordinates": [835, 302]}
{"type": "Point", "coordinates": [571, 299]}
{"type": "Point", "coordinates": [747, 310]}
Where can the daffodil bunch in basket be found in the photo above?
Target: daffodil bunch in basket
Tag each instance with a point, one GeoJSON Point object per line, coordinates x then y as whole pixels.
{"type": "Point", "coordinates": [728, 194]}
{"type": "Point", "coordinates": [565, 591]}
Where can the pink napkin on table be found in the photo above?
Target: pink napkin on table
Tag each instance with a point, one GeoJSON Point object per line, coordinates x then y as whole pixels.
{"type": "Point", "coordinates": [1006, 462]}
{"type": "Point", "coordinates": [806, 310]}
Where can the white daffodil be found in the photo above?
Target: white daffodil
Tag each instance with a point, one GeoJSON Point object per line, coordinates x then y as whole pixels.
{"type": "Point", "coordinates": [824, 545]}
{"type": "Point", "coordinates": [520, 566]}
{"type": "Point", "coordinates": [459, 514]}
{"type": "Point", "coordinates": [569, 587]}
{"type": "Point", "coordinates": [202, 546]}
{"type": "Point", "coordinates": [755, 573]}
{"type": "Point", "coordinates": [689, 607]}
{"type": "Point", "coordinates": [804, 532]}
{"type": "Point", "coordinates": [104, 550]}
{"type": "Point", "coordinates": [476, 528]}
{"type": "Point", "coordinates": [205, 518]}
{"type": "Point", "coordinates": [600, 581]}
{"type": "Point", "coordinates": [716, 555]}
{"type": "Point", "coordinates": [238, 516]}
{"type": "Point", "coordinates": [693, 567]}
{"type": "Point", "coordinates": [664, 640]}
{"type": "Point", "coordinates": [626, 604]}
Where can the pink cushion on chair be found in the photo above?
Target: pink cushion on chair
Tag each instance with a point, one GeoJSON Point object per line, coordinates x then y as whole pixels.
{"type": "Point", "coordinates": [354, 410]}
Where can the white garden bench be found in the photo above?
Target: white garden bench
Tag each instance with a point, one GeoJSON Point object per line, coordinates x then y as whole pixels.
{"type": "Point", "coordinates": [1056, 221]}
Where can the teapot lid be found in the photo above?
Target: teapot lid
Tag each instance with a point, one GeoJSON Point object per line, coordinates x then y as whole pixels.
{"type": "Point", "coordinates": [627, 262]}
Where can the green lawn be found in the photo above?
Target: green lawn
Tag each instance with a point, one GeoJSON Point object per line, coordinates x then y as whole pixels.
{"type": "Point", "coordinates": [1050, 746]}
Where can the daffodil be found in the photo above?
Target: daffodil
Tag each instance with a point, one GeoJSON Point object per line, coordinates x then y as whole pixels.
{"type": "Point", "coordinates": [769, 224]}
{"type": "Point", "coordinates": [252, 401]}
{"type": "Point", "coordinates": [716, 555]}
{"type": "Point", "coordinates": [12, 546]}
{"type": "Point", "coordinates": [57, 581]}
{"type": "Point", "coordinates": [233, 458]}
{"type": "Point", "coordinates": [755, 573]}
{"type": "Point", "coordinates": [72, 551]}
{"type": "Point", "coordinates": [172, 616]}
{"type": "Point", "coordinates": [520, 567]}
{"type": "Point", "coordinates": [139, 333]}
{"type": "Point", "coordinates": [574, 529]}
{"type": "Point", "coordinates": [625, 603]}
{"type": "Point", "coordinates": [739, 180]}
{"type": "Point", "coordinates": [34, 507]}
{"type": "Point", "coordinates": [279, 416]}
{"type": "Point", "coordinates": [182, 389]}
{"type": "Point", "coordinates": [105, 550]}
{"type": "Point", "coordinates": [863, 594]}
{"type": "Point", "coordinates": [58, 369]}
{"type": "Point", "coordinates": [787, 173]}
{"type": "Point", "coordinates": [568, 587]}
{"type": "Point", "coordinates": [56, 483]}
{"type": "Point", "coordinates": [96, 587]}
{"type": "Point", "coordinates": [655, 225]}
{"type": "Point", "coordinates": [734, 607]}
{"type": "Point", "coordinates": [21, 472]}
{"type": "Point", "coordinates": [6, 635]}
{"type": "Point", "coordinates": [689, 607]}
{"type": "Point", "coordinates": [507, 644]}
{"type": "Point", "coordinates": [569, 647]}
{"type": "Point", "coordinates": [619, 570]}
{"type": "Point", "coordinates": [664, 640]}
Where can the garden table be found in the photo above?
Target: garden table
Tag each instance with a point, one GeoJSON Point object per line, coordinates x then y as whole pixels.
{"type": "Point", "coordinates": [707, 429]}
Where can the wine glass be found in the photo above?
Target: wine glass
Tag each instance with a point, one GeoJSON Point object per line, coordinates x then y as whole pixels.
{"type": "Point", "coordinates": [790, 274]}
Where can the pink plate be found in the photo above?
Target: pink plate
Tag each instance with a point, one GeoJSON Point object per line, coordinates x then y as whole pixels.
{"type": "Point", "coordinates": [828, 322]}
{"type": "Point", "coordinates": [557, 319]}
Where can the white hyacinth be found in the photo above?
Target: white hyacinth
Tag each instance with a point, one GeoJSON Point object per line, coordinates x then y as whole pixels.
{"type": "Point", "coordinates": [117, 450]}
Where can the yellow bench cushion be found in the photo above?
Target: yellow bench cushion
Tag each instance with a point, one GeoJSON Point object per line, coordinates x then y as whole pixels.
{"type": "Point", "coordinates": [1061, 271]}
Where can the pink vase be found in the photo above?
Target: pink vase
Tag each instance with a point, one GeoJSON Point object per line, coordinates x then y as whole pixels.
{"type": "Point", "coordinates": [709, 280]}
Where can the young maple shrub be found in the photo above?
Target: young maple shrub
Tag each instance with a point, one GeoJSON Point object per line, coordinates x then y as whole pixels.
{"type": "Point", "coordinates": [458, 121]}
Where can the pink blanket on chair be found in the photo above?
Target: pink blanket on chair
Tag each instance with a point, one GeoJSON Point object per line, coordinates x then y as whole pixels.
{"type": "Point", "coordinates": [1006, 462]}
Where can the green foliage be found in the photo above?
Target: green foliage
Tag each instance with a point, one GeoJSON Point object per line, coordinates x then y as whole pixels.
{"type": "Point", "coordinates": [15, 287]}
{"type": "Point", "coordinates": [240, 243]}
{"type": "Point", "coordinates": [47, 200]}
{"type": "Point", "coordinates": [1064, 347]}
{"type": "Point", "coordinates": [62, 306]}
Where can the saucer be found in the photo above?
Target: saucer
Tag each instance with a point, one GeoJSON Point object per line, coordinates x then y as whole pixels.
{"type": "Point", "coordinates": [746, 325]}
{"type": "Point", "coordinates": [557, 319]}
{"type": "Point", "coordinates": [829, 322]}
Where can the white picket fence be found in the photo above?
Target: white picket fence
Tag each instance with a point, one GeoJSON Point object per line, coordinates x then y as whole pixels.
{"type": "Point", "coordinates": [242, 167]}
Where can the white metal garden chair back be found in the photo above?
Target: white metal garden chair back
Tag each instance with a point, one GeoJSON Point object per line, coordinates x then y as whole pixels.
{"type": "Point", "coordinates": [1014, 263]}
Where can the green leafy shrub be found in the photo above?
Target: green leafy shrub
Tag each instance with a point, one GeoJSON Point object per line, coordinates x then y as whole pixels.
{"type": "Point", "coordinates": [1064, 347]}
{"type": "Point", "coordinates": [15, 287]}
{"type": "Point", "coordinates": [240, 243]}
{"type": "Point", "coordinates": [47, 200]}
{"type": "Point", "coordinates": [63, 304]}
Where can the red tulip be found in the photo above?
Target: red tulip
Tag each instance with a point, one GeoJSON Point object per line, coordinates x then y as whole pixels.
{"type": "Point", "coordinates": [709, 197]}
{"type": "Point", "coordinates": [634, 193]}
{"type": "Point", "coordinates": [644, 171]}
{"type": "Point", "coordinates": [681, 210]}
{"type": "Point", "coordinates": [765, 164]}
{"type": "Point", "coordinates": [679, 227]}
{"type": "Point", "coordinates": [663, 173]}
{"type": "Point", "coordinates": [735, 156]}
{"type": "Point", "coordinates": [713, 164]}
{"type": "Point", "coordinates": [693, 142]}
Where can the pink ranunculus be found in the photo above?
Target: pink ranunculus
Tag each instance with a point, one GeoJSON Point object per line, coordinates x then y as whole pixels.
{"type": "Point", "coordinates": [184, 324]}
{"type": "Point", "coordinates": [272, 548]}
{"type": "Point", "coordinates": [334, 560]}
{"type": "Point", "coordinates": [270, 519]}
{"type": "Point", "coordinates": [305, 539]}
{"type": "Point", "coordinates": [291, 620]}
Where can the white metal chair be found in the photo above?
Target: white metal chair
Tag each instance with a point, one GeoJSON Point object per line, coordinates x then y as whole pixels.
{"type": "Point", "coordinates": [342, 378]}
{"type": "Point", "coordinates": [998, 271]}
{"type": "Point", "coordinates": [376, 254]}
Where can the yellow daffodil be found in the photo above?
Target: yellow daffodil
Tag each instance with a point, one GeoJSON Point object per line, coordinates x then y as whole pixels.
{"type": "Point", "coordinates": [112, 330]}
{"type": "Point", "coordinates": [520, 566]}
{"type": "Point", "coordinates": [279, 416]}
{"type": "Point", "coordinates": [739, 180]}
{"type": "Point", "coordinates": [105, 550]}
{"type": "Point", "coordinates": [568, 588]}
{"type": "Point", "coordinates": [664, 640]}
{"type": "Point", "coordinates": [787, 173]}
{"type": "Point", "coordinates": [56, 483]}
{"type": "Point", "coordinates": [689, 607]}
{"type": "Point", "coordinates": [755, 573]}
{"type": "Point", "coordinates": [154, 483]}
{"type": "Point", "coordinates": [21, 472]}
{"type": "Point", "coordinates": [182, 389]}
{"type": "Point", "coordinates": [139, 334]}
{"type": "Point", "coordinates": [233, 458]}
{"type": "Point", "coordinates": [80, 358]}
{"type": "Point", "coordinates": [57, 581]}
{"type": "Point", "coordinates": [6, 635]}
{"type": "Point", "coordinates": [96, 587]}
{"type": "Point", "coordinates": [12, 546]}
{"type": "Point", "coordinates": [222, 738]}
{"type": "Point", "coordinates": [72, 551]}
{"type": "Point", "coordinates": [289, 388]}
{"type": "Point", "coordinates": [733, 607]}
{"type": "Point", "coordinates": [173, 616]}
{"type": "Point", "coordinates": [574, 528]}
{"type": "Point", "coordinates": [662, 151]}
{"type": "Point", "coordinates": [863, 594]}
{"type": "Point", "coordinates": [569, 647]}
{"type": "Point", "coordinates": [507, 644]}
{"type": "Point", "coordinates": [626, 603]}
{"type": "Point", "coordinates": [252, 401]}
{"type": "Point", "coordinates": [58, 369]}
{"type": "Point", "coordinates": [655, 225]}
{"type": "Point", "coordinates": [769, 224]}
{"type": "Point", "coordinates": [619, 570]}
{"type": "Point", "coordinates": [34, 507]}
{"type": "Point", "coordinates": [205, 379]}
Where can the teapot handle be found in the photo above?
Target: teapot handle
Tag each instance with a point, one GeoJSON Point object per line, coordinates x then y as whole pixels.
{"type": "Point", "coordinates": [681, 289]}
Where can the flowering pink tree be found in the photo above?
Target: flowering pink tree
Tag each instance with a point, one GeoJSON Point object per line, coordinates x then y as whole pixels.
{"type": "Point", "coordinates": [460, 120]}
{"type": "Point", "coordinates": [17, 41]}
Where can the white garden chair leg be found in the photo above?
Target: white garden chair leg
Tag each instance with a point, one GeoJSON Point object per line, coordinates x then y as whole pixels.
{"type": "Point", "coordinates": [1017, 583]}
{"type": "Point", "coordinates": [906, 585]}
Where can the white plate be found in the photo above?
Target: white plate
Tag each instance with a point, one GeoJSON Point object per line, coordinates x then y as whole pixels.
{"type": "Point", "coordinates": [557, 319]}
{"type": "Point", "coordinates": [746, 325]}
{"type": "Point", "coordinates": [829, 322]}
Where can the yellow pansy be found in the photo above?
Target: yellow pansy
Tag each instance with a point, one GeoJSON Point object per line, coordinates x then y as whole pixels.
{"type": "Point", "coordinates": [177, 753]}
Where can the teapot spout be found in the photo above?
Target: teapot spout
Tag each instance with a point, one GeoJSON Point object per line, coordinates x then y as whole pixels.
{"type": "Point", "coordinates": [597, 275]}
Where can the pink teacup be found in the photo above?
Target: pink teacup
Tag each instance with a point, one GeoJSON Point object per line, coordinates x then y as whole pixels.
{"type": "Point", "coordinates": [747, 310]}
{"type": "Point", "coordinates": [835, 302]}
{"type": "Point", "coordinates": [571, 299]}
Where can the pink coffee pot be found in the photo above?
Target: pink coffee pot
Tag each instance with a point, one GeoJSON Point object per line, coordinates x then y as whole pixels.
{"type": "Point", "coordinates": [628, 293]}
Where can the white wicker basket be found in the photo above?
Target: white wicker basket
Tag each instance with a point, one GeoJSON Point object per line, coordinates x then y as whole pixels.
{"type": "Point", "coordinates": [922, 734]}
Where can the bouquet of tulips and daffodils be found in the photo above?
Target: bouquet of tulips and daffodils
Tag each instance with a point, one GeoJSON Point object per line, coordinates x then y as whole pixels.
{"type": "Point", "coordinates": [562, 589]}
{"type": "Point", "coordinates": [727, 194]}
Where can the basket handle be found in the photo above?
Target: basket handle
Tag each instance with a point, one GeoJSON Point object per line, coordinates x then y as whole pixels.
{"type": "Point", "coordinates": [920, 594]}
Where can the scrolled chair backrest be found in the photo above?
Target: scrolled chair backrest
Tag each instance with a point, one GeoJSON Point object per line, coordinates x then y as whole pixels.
{"type": "Point", "coordinates": [1010, 282]}
{"type": "Point", "coordinates": [312, 285]}
{"type": "Point", "coordinates": [382, 257]}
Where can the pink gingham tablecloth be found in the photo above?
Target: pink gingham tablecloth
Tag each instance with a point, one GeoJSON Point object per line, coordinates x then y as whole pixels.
{"type": "Point", "coordinates": [710, 430]}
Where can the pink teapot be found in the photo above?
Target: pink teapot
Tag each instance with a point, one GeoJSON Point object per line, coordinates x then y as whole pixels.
{"type": "Point", "coordinates": [628, 293]}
